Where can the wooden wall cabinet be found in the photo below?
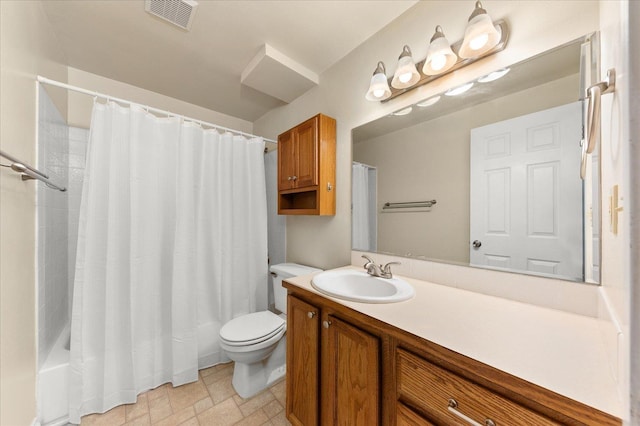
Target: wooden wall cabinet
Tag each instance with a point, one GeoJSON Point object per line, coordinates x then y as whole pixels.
{"type": "Point", "coordinates": [346, 368]}
{"type": "Point", "coordinates": [307, 168]}
{"type": "Point", "coordinates": [332, 369]}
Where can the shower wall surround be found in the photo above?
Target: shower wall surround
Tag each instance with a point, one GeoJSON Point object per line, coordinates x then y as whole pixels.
{"type": "Point", "coordinates": [78, 142]}
{"type": "Point", "coordinates": [61, 154]}
{"type": "Point", "coordinates": [52, 213]}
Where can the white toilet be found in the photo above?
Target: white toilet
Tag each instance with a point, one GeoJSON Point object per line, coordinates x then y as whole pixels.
{"type": "Point", "coordinates": [257, 341]}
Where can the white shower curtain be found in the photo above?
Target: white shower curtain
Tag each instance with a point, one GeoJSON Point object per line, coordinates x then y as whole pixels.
{"type": "Point", "coordinates": [363, 214]}
{"type": "Point", "coordinates": [172, 238]}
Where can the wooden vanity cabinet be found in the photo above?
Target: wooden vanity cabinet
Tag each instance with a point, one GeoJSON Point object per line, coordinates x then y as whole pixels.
{"type": "Point", "coordinates": [350, 375]}
{"type": "Point", "coordinates": [332, 375]}
{"type": "Point", "coordinates": [347, 368]}
{"type": "Point", "coordinates": [307, 167]}
{"type": "Point", "coordinates": [445, 397]}
{"type": "Point", "coordinates": [303, 362]}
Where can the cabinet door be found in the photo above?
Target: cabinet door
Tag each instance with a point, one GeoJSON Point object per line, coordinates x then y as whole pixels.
{"type": "Point", "coordinates": [302, 362]}
{"type": "Point", "coordinates": [307, 147]}
{"type": "Point", "coordinates": [350, 375]}
{"type": "Point", "coordinates": [408, 417]}
{"type": "Point", "coordinates": [286, 160]}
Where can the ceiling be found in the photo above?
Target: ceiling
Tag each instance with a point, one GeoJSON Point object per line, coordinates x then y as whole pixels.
{"type": "Point", "coordinates": [203, 66]}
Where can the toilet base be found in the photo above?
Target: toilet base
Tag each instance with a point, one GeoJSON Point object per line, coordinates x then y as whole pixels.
{"type": "Point", "coordinates": [250, 379]}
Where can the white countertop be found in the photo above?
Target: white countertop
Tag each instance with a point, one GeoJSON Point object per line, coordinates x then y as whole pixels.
{"type": "Point", "coordinates": [556, 350]}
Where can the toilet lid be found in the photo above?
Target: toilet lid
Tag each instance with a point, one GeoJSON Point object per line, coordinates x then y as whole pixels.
{"type": "Point", "coordinates": [252, 328]}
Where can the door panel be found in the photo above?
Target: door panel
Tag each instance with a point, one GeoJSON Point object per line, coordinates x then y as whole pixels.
{"type": "Point", "coordinates": [526, 194]}
{"type": "Point", "coordinates": [351, 370]}
{"type": "Point", "coordinates": [286, 161]}
{"type": "Point", "coordinates": [302, 362]}
{"type": "Point", "coordinates": [307, 173]}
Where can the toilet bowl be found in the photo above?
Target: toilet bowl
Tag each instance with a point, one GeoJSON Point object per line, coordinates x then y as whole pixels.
{"type": "Point", "coordinates": [256, 342]}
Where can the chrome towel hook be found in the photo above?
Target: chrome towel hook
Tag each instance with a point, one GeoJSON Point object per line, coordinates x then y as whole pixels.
{"type": "Point", "coordinates": [593, 93]}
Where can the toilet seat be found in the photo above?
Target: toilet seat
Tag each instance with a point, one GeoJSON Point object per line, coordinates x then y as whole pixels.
{"type": "Point", "coordinates": [252, 329]}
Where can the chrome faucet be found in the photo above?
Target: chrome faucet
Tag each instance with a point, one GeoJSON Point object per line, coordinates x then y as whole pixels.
{"type": "Point", "coordinates": [378, 270]}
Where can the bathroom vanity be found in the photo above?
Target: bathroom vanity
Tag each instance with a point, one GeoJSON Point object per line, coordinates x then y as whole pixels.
{"type": "Point", "coordinates": [446, 356]}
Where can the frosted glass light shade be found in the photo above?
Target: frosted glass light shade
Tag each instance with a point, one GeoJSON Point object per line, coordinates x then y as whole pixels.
{"type": "Point", "coordinates": [428, 102]}
{"type": "Point", "coordinates": [459, 90]}
{"type": "Point", "coordinates": [403, 111]}
{"type": "Point", "coordinates": [406, 74]}
{"type": "Point", "coordinates": [480, 36]}
{"type": "Point", "coordinates": [379, 87]}
{"type": "Point", "coordinates": [440, 57]}
{"type": "Point", "coordinates": [494, 75]}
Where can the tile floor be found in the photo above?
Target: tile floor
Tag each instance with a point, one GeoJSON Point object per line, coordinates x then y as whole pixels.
{"type": "Point", "coordinates": [211, 401]}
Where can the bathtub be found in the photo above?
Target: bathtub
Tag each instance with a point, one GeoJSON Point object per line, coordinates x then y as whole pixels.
{"type": "Point", "coordinates": [53, 384]}
{"type": "Point", "coordinates": [53, 377]}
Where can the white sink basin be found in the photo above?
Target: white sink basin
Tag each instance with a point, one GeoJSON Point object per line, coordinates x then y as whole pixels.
{"type": "Point", "coordinates": [359, 286]}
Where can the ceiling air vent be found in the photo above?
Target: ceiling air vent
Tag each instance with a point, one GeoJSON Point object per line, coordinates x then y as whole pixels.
{"type": "Point", "coordinates": [178, 12]}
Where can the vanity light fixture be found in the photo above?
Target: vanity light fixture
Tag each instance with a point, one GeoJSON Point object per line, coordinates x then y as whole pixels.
{"type": "Point", "coordinates": [440, 57]}
{"type": "Point", "coordinates": [428, 102]}
{"type": "Point", "coordinates": [480, 36]}
{"type": "Point", "coordinates": [406, 74]}
{"type": "Point", "coordinates": [459, 90]}
{"type": "Point", "coordinates": [493, 76]}
{"type": "Point", "coordinates": [379, 88]}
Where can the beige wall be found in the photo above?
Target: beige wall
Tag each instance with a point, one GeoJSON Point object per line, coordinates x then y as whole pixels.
{"type": "Point", "coordinates": [535, 27]}
{"type": "Point", "coordinates": [80, 105]}
{"type": "Point", "coordinates": [29, 47]}
{"type": "Point", "coordinates": [431, 161]}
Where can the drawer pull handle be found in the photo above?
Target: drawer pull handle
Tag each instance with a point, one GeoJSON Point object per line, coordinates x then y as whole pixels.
{"type": "Point", "coordinates": [452, 407]}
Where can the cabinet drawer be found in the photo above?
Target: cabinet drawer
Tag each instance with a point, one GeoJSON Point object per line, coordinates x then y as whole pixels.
{"type": "Point", "coordinates": [430, 388]}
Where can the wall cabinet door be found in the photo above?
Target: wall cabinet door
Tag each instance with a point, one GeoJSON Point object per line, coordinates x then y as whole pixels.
{"type": "Point", "coordinates": [307, 155]}
{"type": "Point", "coordinates": [286, 160]}
{"type": "Point", "coordinates": [298, 156]}
{"type": "Point", "coordinates": [350, 375]}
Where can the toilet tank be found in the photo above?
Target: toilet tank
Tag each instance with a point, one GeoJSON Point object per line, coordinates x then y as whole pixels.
{"type": "Point", "coordinates": [284, 271]}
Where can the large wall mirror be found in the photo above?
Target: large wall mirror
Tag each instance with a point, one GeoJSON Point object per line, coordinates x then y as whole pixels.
{"type": "Point", "coordinates": [488, 177]}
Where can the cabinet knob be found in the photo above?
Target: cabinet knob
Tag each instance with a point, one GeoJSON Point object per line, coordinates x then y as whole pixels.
{"type": "Point", "coordinates": [294, 177]}
{"type": "Point", "coordinates": [289, 178]}
{"type": "Point", "coordinates": [326, 324]}
{"type": "Point", "coordinates": [311, 314]}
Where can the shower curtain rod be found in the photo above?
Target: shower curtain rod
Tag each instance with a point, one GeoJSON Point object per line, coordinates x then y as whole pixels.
{"type": "Point", "coordinates": [365, 165]}
{"type": "Point", "coordinates": [50, 82]}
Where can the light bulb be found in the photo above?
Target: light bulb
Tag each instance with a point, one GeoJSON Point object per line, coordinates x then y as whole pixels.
{"type": "Point", "coordinates": [438, 62]}
{"type": "Point", "coordinates": [404, 78]}
{"type": "Point", "coordinates": [478, 42]}
{"type": "Point", "coordinates": [378, 93]}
